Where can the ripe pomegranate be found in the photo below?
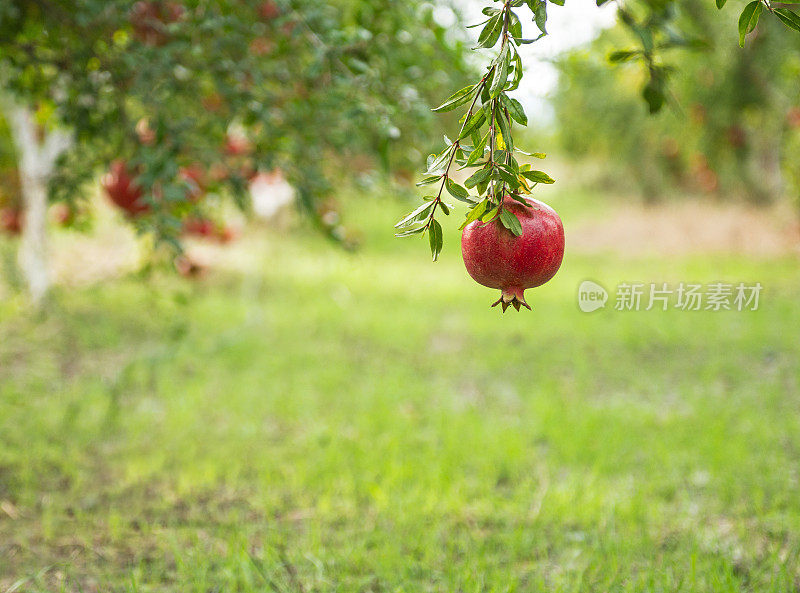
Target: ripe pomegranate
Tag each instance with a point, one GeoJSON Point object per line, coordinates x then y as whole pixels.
{"type": "Point", "coordinates": [11, 220]}
{"type": "Point", "coordinates": [120, 187]}
{"type": "Point", "coordinates": [237, 145]}
{"type": "Point", "coordinates": [208, 229]}
{"type": "Point", "coordinates": [269, 10]}
{"type": "Point", "coordinates": [494, 257]}
{"type": "Point", "coordinates": [199, 227]}
{"type": "Point", "coordinates": [150, 17]}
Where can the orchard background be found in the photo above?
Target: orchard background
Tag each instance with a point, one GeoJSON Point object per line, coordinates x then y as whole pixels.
{"type": "Point", "coordinates": [220, 371]}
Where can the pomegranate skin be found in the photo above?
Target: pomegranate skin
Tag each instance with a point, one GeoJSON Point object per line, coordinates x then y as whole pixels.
{"type": "Point", "coordinates": [495, 258]}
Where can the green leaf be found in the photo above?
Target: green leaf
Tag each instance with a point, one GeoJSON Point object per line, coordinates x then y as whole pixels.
{"type": "Point", "coordinates": [477, 177]}
{"type": "Point", "coordinates": [623, 56]}
{"type": "Point", "coordinates": [500, 74]}
{"type": "Point", "coordinates": [435, 238]}
{"type": "Point", "coordinates": [515, 110]}
{"type": "Point", "coordinates": [505, 129]}
{"type": "Point", "coordinates": [721, 3]}
{"type": "Point", "coordinates": [457, 99]}
{"type": "Point", "coordinates": [490, 214]}
{"type": "Point", "coordinates": [537, 155]}
{"type": "Point", "coordinates": [455, 190]}
{"type": "Point", "coordinates": [420, 212]}
{"type": "Point", "coordinates": [508, 177]}
{"type": "Point", "coordinates": [491, 32]}
{"type": "Point", "coordinates": [538, 177]}
{"type": "Point", "coordinates": [653, 91]}
{"type": "Point", "coordinates": [474, 124]}
{"type": "Point", "coordinates": [749, 19]}
{"type": "Point", "coordinates": [439, 163]}
{"type": "Point", "coordinates": [410, 232]}
{"type": "Point", "coordinates": [540, 16]}
{"type": "Point", "coordinates": [478, 151]}
{"type": "Point", "coordinates": [429, 180]}
{"type": "Point", "coordinates": [788, 18]}
{"type": "Point", "coordinates": [511, 222]}
{"type": "Point", "coordinates": [475, 213]}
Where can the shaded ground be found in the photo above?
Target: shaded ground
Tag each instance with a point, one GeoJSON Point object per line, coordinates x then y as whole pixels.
{"type": "Point", "coordinates": [336, 422]}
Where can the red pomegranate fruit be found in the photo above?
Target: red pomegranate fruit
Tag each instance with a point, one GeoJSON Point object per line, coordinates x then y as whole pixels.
{"type": "Point", "coordinates": [494, 257]}
{"type": "Point", "coordinates": [123, 191]}
{"type": "Point", "coordinates": [149, 20]}
{"type": "Point", "coordinates": [11, 220]}
{"type": "Point", "coordinates": [269, 10]}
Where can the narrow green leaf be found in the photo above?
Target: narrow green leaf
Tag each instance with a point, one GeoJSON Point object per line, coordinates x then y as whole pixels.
{"type": "Point", "coordinates": [475, 213]}
{"type": "Point", "coordinates": [491, 32]}
{"type": "Point", "coordinates": [788, 18]}
{"type": "Point", "coordinates": [721, 3]}
{"type": "Point", "coordinates": [474, 124]}
{"type": "Point", "coordinates": [436, 239]}
{"type": "Point", "coordinates": [749, 19]}
{"type": "Point", "coordinates": [511, 222]}
{"type": "Point", "coordinates": [421, 211]}
{"type": "Point", "coordinates": [515, 110]}
{"type": "Point", "coordinates": [457, 99]}
{"type": "Point", "coordinates": [410, 232]}
{"type": "Point", "coordinates": [429, 180]}
{"type": "Point", "coordinates": [500, 74]}
{"type": "Point", "coordinates": [538, 177]}
{"type": "Point", "coordinates": [623, 56]}
{"type": "Point", "coordinates": [477, 153]}
{"type": "Point", "coordinates": [455, 189]}
{"type": "Point", "coordinates": [477, 177]}
{"type": "Point", "coordinates": [505, 129]}
{"type": "Point", "coordinates": [439, 163]}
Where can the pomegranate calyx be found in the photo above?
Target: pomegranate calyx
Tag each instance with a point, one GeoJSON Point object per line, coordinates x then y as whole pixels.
{"type": "Point", "coordinates": [512, 297]}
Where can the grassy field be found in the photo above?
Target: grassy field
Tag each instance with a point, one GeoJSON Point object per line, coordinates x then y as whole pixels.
{"type": "Point", "coordinates": [324, 421]}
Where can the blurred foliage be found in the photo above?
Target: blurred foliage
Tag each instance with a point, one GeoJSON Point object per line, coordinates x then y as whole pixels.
{"type": "Point", "coordinates": [731, 119]}
{"type": "Point", "coordinates": [321, 90]}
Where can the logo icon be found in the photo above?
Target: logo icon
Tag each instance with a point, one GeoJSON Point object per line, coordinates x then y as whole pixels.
{"type": "Point", "coordinates": [591, 296]}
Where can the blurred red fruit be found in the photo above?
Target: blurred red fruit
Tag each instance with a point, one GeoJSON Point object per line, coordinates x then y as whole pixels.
{"type": "Point", "coordinates": [149, 19]}
{"type": "Point", "coordinates": [195, 177]}
{"type": "Point", "coordinates": [269, 10]}
{"type": "Point", "coordinates": [237, 145]}
{"type": "Point", "coordinates": [188, 268]}
{"type": "Point", "coordinates": [11, 220]}
{"type": "Point", "coordinates": [123, 191]}
{"type": "Point", "coordinates": [199, 227]}
{"type": "Point", "coordinates": [793, 118]}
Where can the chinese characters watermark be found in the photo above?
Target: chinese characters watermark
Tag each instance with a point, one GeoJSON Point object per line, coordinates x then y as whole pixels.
{"type": "Point", "coordinates": [662, 296]}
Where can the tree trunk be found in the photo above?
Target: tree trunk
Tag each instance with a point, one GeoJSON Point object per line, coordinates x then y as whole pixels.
{"type": "Point", "coordinates": [37, 152]}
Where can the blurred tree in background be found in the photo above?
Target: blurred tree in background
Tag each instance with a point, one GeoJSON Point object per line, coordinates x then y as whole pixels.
{"type": "Point", "coordinates": [732, 117]}
{"type": "Point", "coordinates": [192, 98]}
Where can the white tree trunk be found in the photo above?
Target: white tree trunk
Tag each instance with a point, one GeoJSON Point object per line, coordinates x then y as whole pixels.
{"type": "Point", "coordinates": [37, 154]}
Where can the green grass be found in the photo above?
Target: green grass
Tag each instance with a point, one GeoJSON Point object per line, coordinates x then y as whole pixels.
{"type": "Point", "coordinates": [336, 422]}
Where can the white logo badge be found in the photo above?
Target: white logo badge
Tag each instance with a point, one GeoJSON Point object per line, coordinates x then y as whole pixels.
{"type": "Point", "coordinates": [591, 296]}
